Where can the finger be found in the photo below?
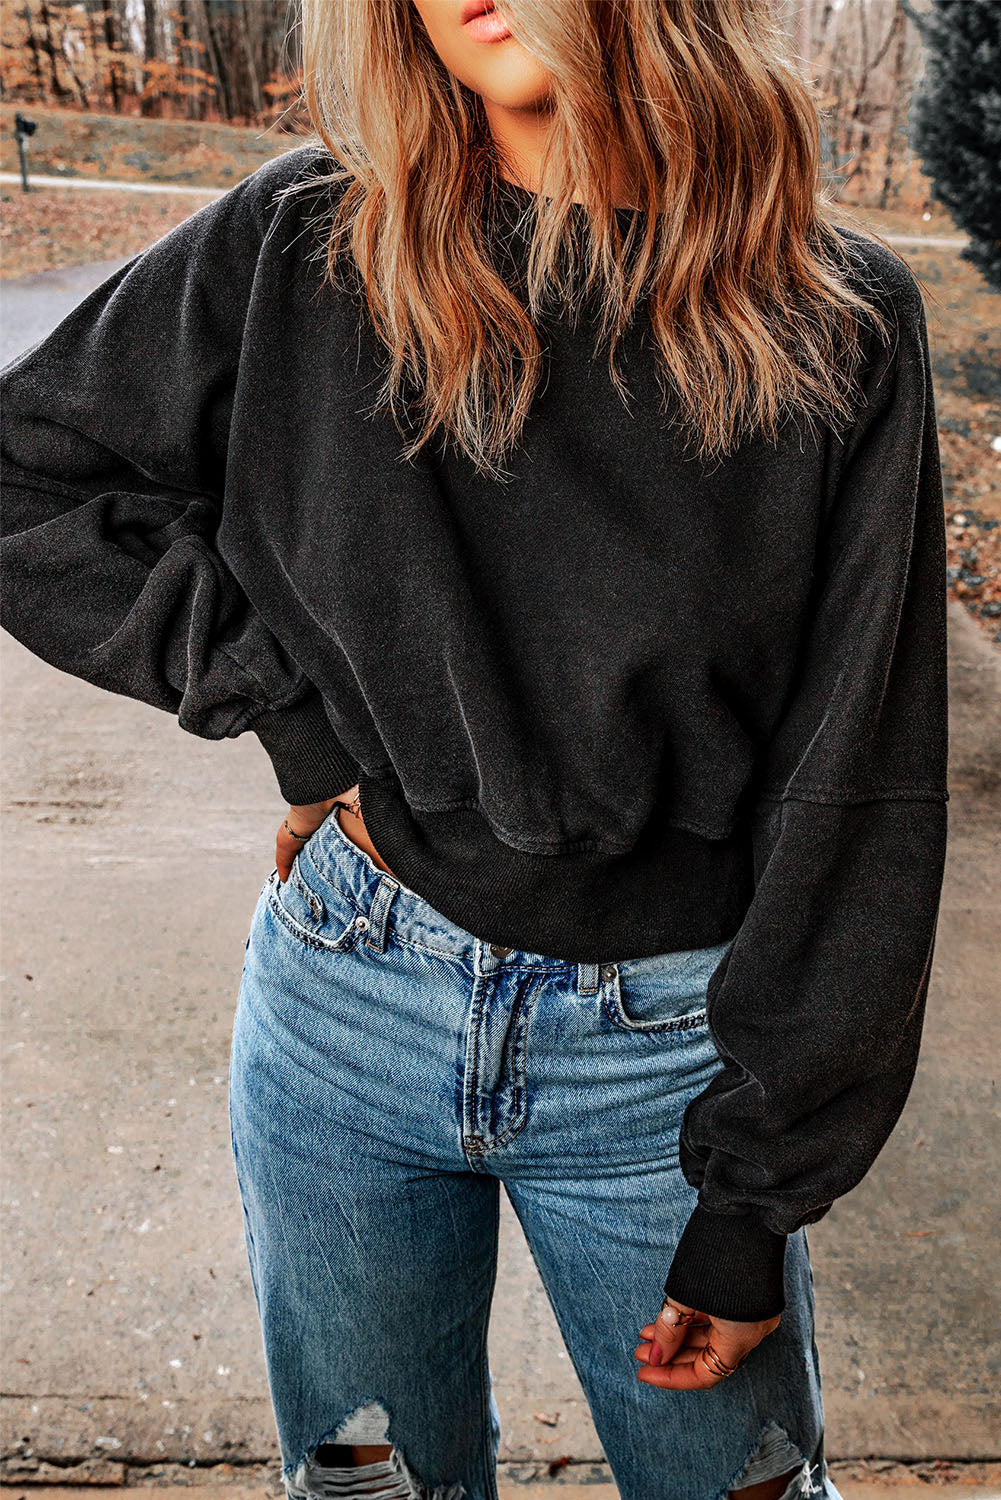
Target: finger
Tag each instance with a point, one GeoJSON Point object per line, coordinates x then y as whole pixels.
{"type": "Point", "coordinates": [733, 1348]}
{"type": "Point", "coordinates": [667, 1337]}
{"type": "Point", "coordinates": [696, 1339]}
{"type": "Point", "coordinates": [701, 1320]}
{"type": "Point", "coordinates": [283, 856]}
{"type": "Point", "coordinates": [686, 1355]}
{"type": "Point", "coordinates": [696, 1331]}
{"type": "Point", "coordinates": [286, 849]}
{"type": "Point", "coordinates": [680, 1375]}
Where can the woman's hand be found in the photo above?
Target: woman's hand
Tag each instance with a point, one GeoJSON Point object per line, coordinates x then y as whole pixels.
{"type": "Point", "coordinates": [672, 1353]}
{"type": "Point", "coordinates": [304, 820]}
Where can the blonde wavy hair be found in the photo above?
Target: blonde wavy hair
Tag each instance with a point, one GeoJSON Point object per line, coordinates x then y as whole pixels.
{"type": "Point", "coordinates": [747, 286]}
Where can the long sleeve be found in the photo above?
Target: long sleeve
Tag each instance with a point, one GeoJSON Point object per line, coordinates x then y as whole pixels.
{"type": "Point", "coordinates": [817, 1006]}
{"type": "Point", "coordinates": [115, 430]}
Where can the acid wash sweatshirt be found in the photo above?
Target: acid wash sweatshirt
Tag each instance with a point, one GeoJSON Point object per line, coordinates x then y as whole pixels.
{"type": "Point", "coordinates": [625, 704]}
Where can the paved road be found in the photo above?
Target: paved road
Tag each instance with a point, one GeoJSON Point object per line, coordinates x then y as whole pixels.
{"type": "Point", "coordinates": [133, 854]}
{"type": "Point", "coordinates": [42, 181]}
{"type": "Point", "coordinates": [939, 242]}
{"type": "Point", "coordinates": [547, 1490]}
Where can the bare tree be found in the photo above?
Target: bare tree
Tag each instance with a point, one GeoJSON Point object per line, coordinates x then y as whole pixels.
{"type": "Point", "coordinates": [50, 45]}
{"type": "Point", "coordinates": [237, 61]}
{"type": "Point", "coordinates": [34, 49]}
{"type": "Point", "coordinates": [865, 59]}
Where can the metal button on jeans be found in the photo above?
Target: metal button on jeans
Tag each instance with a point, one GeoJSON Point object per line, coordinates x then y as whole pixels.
{"type": "Point", "coordinates": [498, 951]}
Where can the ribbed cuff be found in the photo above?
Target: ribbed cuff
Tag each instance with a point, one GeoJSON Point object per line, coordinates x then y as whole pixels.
{"type": "Point", "coordinates": [309, 760]}
{"type": "Point", "coordinates": [729, 1266]}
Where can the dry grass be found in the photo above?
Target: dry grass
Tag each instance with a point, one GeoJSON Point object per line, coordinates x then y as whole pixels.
{"type": "Point", "coordinates": [49, 228]}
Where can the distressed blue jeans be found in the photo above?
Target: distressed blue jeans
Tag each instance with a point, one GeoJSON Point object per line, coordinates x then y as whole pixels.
{"type": "Point", "coordinates": [389, 1072]}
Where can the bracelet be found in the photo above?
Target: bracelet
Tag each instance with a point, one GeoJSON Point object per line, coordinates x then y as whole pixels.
{"type": "Point", "coordinates": [351, 807]}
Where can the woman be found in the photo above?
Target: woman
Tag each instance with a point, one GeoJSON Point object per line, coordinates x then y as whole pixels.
{"type": "Point", "coordinates": [609, 709]}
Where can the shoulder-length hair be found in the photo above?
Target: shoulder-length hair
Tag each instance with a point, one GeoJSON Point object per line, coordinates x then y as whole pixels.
{"type": "Point", "coordinates": [734, 254]}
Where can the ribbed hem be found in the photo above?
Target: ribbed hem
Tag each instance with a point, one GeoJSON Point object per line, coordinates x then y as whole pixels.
{"type": "Point", "coordinates": [309, 760]}
{"type": "Point", "coordinates": [729, 1266]}
{"type": "Point", "coordinates": [591, 907]}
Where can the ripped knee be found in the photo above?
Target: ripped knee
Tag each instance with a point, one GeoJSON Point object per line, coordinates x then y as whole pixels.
{"type": "Point", "coordinates": [776, 1470]}
{"type": "Point", "coordinates": [359, 1460]}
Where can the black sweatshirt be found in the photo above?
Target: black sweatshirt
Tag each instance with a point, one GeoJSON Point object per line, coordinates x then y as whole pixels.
{"type": "Point", "coordinates": [625, 704]}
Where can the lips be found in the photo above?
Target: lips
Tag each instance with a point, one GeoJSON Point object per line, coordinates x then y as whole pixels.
{"type": "Point", "coordinates": [483, 23]}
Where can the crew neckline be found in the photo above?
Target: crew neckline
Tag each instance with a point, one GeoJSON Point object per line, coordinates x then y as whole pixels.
{"type": "Point", "coordinates": [527, 195]}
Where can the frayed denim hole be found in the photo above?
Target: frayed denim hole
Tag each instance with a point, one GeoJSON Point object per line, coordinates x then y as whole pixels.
{"type": "Point", "coordinates": [390, 1478]}
{"type": "Point", "coordinates": [775, 1454]}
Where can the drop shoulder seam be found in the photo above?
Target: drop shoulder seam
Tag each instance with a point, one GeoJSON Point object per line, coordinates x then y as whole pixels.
{"type": "Point", "coordinates": [823, 797]}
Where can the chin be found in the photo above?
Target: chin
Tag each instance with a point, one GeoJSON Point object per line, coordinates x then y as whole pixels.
{"type": "Point", "coordinates": [513, 80]}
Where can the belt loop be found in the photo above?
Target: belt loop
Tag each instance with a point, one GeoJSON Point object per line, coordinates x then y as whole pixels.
{"type": "Point", "coordinates": [587, 979]}
{"type": "Point", "coordinates": [378, 913]}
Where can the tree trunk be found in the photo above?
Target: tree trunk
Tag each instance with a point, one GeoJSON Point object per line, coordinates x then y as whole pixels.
{"type": "Point", "coordinates": [201, 17]}
{"type": "Point", "coordinates": [48, 44]}
{"type": "Point", "coordinates": [804, 34]}
{"type": "Point", "coordinates": [36, 52]}
{"type": "Point", "coordinates": [896, 110]}
{"type": "Point", "coordinates": [111, 46]}
{"type": "Point", "coordinates": [147, 104]}
{"type": "Point", "coordinates": [194, 103]}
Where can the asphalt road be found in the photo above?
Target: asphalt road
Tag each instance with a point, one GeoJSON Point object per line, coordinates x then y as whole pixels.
{"type": "Point", "coordinates": [940, 242]}
{"type": "Point", "coordinates": [132, 857]}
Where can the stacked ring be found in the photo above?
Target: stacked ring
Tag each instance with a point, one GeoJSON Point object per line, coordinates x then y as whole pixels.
{"type": "Point", "coordinates": [678, 1317]}
{"type": "Point", "coordinates": [717, 1366]}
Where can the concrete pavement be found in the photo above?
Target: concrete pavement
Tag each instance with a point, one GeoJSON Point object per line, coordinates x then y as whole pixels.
{"type": "Point", "coordinates": [524, 1490]}
{"type": "Point", "coordinates": [132, 857]}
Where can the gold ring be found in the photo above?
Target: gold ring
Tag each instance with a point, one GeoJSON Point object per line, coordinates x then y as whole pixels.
{"type": "Point", "coordinates": [715, 1365]}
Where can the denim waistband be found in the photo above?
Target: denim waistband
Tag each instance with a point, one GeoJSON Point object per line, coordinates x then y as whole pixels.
{"type": "Point", "coordinates": [389, 905]}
